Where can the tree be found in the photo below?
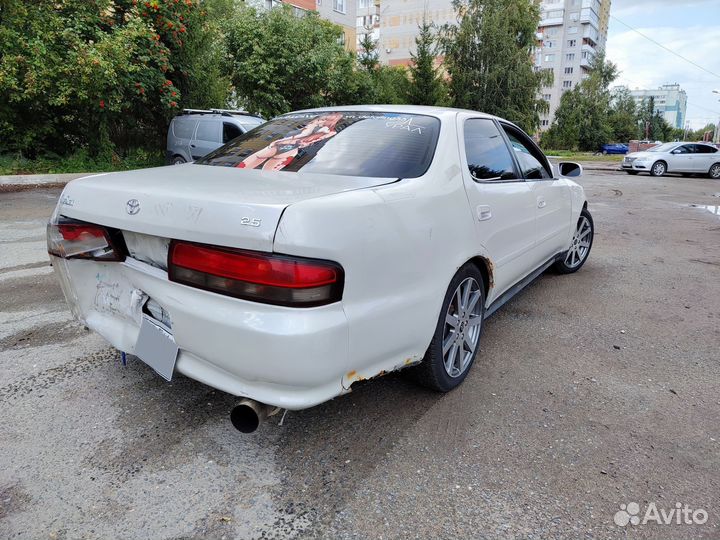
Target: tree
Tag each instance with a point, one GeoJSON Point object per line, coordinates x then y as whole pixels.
{"type": "Point", "coordinates": [280, 62]}
{"type": "Point", "coordinates": [368, 58]}
{"type": "Point", "coordinates": [427, 86]}
{"type": "Point", "coordinates": [488, 57]}
{"type": "Point", "coordinates": [582, 122]}
{"type": "Point", "coordinates": [623, 116]}
{"type": "Point", "coordinates": [96, 74]}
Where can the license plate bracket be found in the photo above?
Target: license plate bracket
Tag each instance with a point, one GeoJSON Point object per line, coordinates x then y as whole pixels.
{"type": "Point", "coordinates": [156, 347]}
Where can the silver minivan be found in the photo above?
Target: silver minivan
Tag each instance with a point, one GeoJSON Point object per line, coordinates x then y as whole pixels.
{"type": "Point", "coordinates": [195, 132]}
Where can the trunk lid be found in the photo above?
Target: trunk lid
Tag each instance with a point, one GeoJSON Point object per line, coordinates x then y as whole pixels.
{"type": "Point", "coordinates": [199, 203]}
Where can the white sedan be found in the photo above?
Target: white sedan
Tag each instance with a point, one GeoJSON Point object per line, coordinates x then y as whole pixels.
{"type": "Point", "coordinates": [677, 157]}
{"type": "Point", "coordinates": [322, 248]}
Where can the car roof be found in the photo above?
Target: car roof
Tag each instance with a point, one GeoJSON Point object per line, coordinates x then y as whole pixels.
{"type": "Point", "coordinates": [409, 109]}
{"type": "Point", "coordinates": [429, 110]}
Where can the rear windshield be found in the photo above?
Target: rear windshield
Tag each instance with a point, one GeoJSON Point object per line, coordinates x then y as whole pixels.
{"type": "Point", "coordinates": [384, 145]}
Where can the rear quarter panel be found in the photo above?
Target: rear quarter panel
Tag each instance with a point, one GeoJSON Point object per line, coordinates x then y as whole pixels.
{"type": "Point", "coordinates": [400, 246]}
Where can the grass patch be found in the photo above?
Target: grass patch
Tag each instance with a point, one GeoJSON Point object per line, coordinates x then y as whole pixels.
{"type": "Point", "coordinates": [583, 156]}
{"type": "Point", "coordinates": [80, 162]}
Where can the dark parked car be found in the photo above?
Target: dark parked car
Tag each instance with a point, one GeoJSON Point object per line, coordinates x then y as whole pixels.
{"type": "Point", "coordinates": [614, 149]}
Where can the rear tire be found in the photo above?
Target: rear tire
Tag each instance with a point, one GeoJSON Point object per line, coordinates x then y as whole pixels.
{"type": "Point", "coordinates": [178, 160]}
{"type": "Point", "coordinates": [714, 172]}
{"type": "Point", "coordinates": [580, 247]}
{"type": "Point", "coordinates": [659, 168]}
{"type": "Point", "coordinates": [456, 340]}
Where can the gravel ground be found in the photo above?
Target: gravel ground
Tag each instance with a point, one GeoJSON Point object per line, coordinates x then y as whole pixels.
{"type": "Point", "coordinates": [591, 391]}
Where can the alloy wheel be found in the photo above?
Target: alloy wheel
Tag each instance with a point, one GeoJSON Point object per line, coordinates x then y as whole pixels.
{"type": "Point", "coordinates": [463, 322]}
{"type": "Point", "coordinates": [580, 246]}
{"type": "Point", "coordinates": [659, 169]}
{"type": "Point", "coordinates": [715, 171]}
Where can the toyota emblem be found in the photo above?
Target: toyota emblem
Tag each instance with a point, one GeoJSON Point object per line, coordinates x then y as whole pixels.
{"type": "Point", "coordinates": [132, 206]}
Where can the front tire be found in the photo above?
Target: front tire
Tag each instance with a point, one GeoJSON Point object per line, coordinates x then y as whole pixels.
{"type": "Point", "coordinates": [456, 340]}
{"type": "Point", "coordinates": [178, 160]}
{"type": "Point", "coordinates": [580, 247]}
{"type": "Point", "coordinates": [715, 172]}
{"type": "Point", "coordinates": [659, 168]}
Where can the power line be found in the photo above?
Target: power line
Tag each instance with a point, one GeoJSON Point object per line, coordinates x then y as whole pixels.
{"type": "Point", "coordinates": [666, 48]}
{"type": "Point", "coordinates": [703, 108]}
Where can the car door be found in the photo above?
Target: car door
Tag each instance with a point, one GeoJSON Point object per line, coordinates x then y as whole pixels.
{"type": "Point", "coordinates": [553, 202]}
{"type": "Point", "coordinates": [680, 160]}
{"type": "Point", "coordinates": [705, 157]}
{"type": "Point", "coordinates": [207, 138]}
{"type": "Point", "coordinates": [501, 201]}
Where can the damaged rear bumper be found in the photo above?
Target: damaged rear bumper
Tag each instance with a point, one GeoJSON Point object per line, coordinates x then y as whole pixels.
{"type": "Point", "coordinates": [286, 357]}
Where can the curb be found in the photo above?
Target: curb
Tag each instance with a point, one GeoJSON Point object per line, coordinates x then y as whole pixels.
{"type": "Point", "coordinates": [24, 182]}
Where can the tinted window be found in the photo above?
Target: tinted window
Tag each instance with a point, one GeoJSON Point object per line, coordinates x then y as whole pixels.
{"type": "Point", "coordinates": [230, 131]}
{"type": "Point", "coordinates": [249, 122]}
{"type": "Point", "coordinates": [687, 149]}
{"type": "Point", "coordinates": [667, 147]}
{"type": "Point", "coordinates": [705, 149]}
{"type": "Point", "coordinates": [208, 131]}
{"type": "Point", "coordinates": [384, 145]}
{"type": "Point", "coordinates": [183, 127]}
{"type": "Point", "coordinates": [487, 154]}
{"type": "Point", "coordinates": [530, 166]}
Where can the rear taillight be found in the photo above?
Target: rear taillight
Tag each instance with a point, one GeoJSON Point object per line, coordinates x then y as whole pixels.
{"type": "Point", "coordinates": [71, 239]}
{"type": "Point", "coordinates": [261, 277]}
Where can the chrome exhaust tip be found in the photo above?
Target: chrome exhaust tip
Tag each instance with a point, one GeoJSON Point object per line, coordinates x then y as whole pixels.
{"type": "Point", "coordinates": [247, 415]}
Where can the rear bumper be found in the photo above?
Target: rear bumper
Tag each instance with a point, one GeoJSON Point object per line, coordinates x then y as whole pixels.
{"type": "Point", "coordinates": [287, 357]}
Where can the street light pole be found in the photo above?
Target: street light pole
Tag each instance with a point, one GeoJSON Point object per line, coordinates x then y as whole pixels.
{"type": "Point", "coordinates": [716, 135]}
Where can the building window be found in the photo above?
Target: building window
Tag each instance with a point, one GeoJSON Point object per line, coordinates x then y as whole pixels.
{"type": "Point", "coordinates": [567, 84]}
{"type": "Point", "coordinates": [549, 57]}
{"type": "Point", "coordinates": [545, 123]}
{"type": "Point", "coordinates": [364, 4]}
{"type": "Point", "coordinates": [568, 71]}
{"type": "Point", "coordinates": [570, 57]}
{"type": "Point", "coordinates": [572, 30]}
{"type": "Point", "coordinates": [547, 97]}
{"type": "Point", "coordinates": [574, 16]}
{"type": "Point", "coordinates": [572, 42]}
{"type": "Point", "coordinates": [341, 39]}
{"type": "Point", "coordinates": [549, 44]}
{"type": "Point", "coordinates": [339, 5]}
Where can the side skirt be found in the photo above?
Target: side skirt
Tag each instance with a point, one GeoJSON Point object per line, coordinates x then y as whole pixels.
{"type": "Point", "coordinates": [520, 285]}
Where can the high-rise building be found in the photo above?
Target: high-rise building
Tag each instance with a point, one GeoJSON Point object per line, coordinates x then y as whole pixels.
{"type": "Point", "coordinates": [399, 21]}
{"type": "Point", "coordinates": [670, 101]}
{"type": "Point", "coordinates": [571, 33]}
{"type": "Point", "coordinates": [368, 19]}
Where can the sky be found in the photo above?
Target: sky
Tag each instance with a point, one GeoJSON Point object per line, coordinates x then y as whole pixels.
{"type": "Point", "coordinates": [691, 28]}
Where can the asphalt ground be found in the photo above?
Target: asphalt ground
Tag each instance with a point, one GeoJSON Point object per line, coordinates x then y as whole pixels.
{"type": "Point", "coordinates": [591, 391]}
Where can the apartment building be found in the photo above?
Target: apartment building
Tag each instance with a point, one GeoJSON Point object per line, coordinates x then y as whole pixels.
{"type": "Point", "coordinates": [670, 101]}
{"type": "Point", "coordinates": [340, 12]}
{"type": "Point", "coordinates": [368, 19]}
{"type": "Point", "coordinates": [571, 33]}
{"type": "Point", "coordinates": [399, 20]}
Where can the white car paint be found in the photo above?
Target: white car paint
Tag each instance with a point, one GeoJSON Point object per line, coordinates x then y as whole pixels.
{"type": "Point", "coordinates": [400, 242]}
{"type": "Point", "coordinates": [679, 157]}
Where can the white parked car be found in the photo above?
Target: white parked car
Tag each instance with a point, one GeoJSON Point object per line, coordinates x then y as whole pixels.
{"type": "Point", "coordinates": [320, 249]}
{"type": "Point", "coordinates": [677, 157]}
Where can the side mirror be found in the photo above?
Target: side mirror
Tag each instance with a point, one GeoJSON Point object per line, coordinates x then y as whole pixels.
{"type": "Point", "coordinates": [568, 169]}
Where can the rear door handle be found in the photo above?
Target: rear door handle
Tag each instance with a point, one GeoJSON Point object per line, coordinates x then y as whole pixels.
{"type": "Point", "coordinates": [541, 202]}
{"type": "Point", "coordinates": [483, 212]}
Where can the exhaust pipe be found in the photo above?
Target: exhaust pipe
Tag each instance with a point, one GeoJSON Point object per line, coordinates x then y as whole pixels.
{"type": "Point", "coordinates": [247, 415]}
